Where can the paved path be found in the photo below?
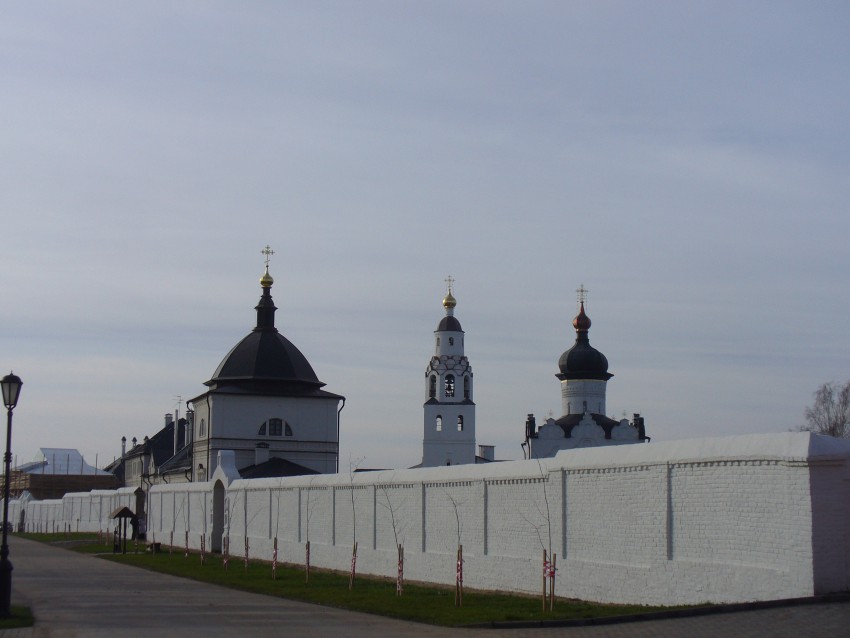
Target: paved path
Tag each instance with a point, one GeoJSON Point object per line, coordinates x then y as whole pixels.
{"type": "Point", "coordinates": [75, 595]}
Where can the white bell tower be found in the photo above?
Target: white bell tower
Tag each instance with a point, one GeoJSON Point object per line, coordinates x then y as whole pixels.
{"type": "Point", "coordinates": [449, 437]}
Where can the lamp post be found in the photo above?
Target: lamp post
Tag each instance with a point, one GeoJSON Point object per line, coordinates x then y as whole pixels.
{"type": "Point", "coordinates": [11, 385]}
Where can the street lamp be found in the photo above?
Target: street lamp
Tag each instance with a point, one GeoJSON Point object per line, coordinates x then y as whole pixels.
{"type": "Point", "coordinates": [11, 385]}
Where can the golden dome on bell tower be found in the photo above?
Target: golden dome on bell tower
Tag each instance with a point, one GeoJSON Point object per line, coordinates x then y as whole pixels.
{"type": "Point", "coordinates": [449, 302]}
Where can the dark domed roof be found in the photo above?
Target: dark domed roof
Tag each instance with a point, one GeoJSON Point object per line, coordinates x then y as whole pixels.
{"type": "Point", "coordinates": [449, 324]}
{"type": "Point", "coordinates": [265, 357]}
{"type": "Point", "coordinates": [583, 361]}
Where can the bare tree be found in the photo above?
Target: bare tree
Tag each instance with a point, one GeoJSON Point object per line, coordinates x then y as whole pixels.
{"type": "Point", "coordinates": [352, 468]}
{"type": "Point", "coordinates": [459, 574]}
{"type": "Point", "coordinates": [549, 558]}
{"type": "Point", "coordinates": [830, 412]}
{"type": "Point", "coordinates": [308, 513]}
{"type": "Point", "coordinates": [399, 546]}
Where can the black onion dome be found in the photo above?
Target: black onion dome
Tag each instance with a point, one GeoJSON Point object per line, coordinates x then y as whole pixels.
{"type": "Point", "coordinates": [583, 361]}
{"type": "Point", "coordinates": [265, 355]}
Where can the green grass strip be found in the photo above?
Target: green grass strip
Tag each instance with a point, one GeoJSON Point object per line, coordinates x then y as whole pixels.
{"type": "Point", "coordinates": [421, 603]}
{"type": "Point", "coordinates": [21, 617]}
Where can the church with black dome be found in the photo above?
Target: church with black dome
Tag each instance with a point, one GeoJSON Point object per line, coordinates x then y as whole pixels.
{"type": "Point", "coordinates": [583, 373]}
{"type": "Point", "coordinates": [265, 402]}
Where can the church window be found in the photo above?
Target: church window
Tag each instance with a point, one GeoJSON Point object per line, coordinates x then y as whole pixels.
{"type": "Point", "coordinates": [450, 385]}
{"type": "Point", "coordinates": [438, 342]}
{"type": "Point", "coordinates": [460, 423]}
{"type": "Point", "coordinates": [275, 427]}
{"type": "Point", "coordinates": [287, 429]}
{"type": "Point", "coordinates": [466, 387]}
{"type": "Point", "coordinates": [432, 388]}
{"type": "Point", "coordinates": [439, 423]}
{"type": "Point", "coordinates": [451, 341]}
{"type": "Point", "coordinates": [202, 429]}
{"type": "Point", "coordinates": [262, 429]}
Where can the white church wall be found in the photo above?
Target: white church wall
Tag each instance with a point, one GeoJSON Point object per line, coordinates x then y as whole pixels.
{"type": "Point", "coordinates": [238, 419]}
{"type": "Point", "coordinates": [583, 395]}
{"type": "Point", "coordinates": [551, 439]}
{"type": "Point", "coordinates": [739, 518]}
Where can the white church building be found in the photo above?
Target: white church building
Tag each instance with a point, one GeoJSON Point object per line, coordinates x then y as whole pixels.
{"type": "Point", "coordinates": [583, 373]}
{"type": "Point", "coordinates": [264, 402]}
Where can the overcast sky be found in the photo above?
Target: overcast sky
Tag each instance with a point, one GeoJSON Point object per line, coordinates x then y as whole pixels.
{"type": "Point", "coordinates": [686, 162]}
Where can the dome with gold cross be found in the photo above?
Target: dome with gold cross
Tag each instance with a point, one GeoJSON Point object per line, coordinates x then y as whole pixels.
{"type": "Point", "coordinates": [265, 358]}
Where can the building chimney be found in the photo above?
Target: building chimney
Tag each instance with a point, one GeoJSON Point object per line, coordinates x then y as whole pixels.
{"type": "Point", "coordinates": [637, 421]}
{"type": "Point", "coordinates": [123, 446]}
{"type": "Point", "coordinates": [530, 427]}
{"type": "Point", "coordinates": [190, 426]}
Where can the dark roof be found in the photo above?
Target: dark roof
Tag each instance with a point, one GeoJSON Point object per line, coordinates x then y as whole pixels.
{"type": "Point", "coordinates": [266, 355]}
{"type": "Point", "coordinates": [160, 447]}
{"type": "Point", "coordinates": [266, 362]}
{"type": "Point", "coordinates": [569, 421]}
{"type": "Point", "coordinates": [122, 512]}
{"type": "Point", "coordinates": [583, 361]}
{"type": "Point", "coordinates": [449, 324]}
{"type": "Point", "coordinates": [275, 467]}
{"type": "Point", "coordinates": [161, 444]}
{"type": "Point", "coordinates": [180, 462]}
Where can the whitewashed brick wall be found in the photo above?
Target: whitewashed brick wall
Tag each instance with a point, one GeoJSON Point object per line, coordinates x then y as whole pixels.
{"type": "Point", "coordinates": [712, 520]}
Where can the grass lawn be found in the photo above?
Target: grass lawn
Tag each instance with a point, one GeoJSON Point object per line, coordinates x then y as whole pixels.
{"type": "Point", "coordinates": [421, 603]}
{"type": "Point", "coordinates": [21, 617]}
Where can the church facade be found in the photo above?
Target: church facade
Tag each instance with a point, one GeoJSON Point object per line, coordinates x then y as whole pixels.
{"type": "Point", "coordinates": [583, 373]}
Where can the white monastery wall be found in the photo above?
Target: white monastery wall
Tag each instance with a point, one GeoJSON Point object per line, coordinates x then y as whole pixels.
{"type": "Point", "coordinates": [712, 520]}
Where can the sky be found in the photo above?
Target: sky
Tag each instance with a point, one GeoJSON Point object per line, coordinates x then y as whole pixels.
{"type": "Point", "coordinates": [687, 162]}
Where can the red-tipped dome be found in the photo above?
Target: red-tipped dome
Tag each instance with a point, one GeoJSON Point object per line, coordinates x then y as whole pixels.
{"type": "Point", "coordinates": [582, 321]}
{"type": "Point", "coordinates": [583, 361]}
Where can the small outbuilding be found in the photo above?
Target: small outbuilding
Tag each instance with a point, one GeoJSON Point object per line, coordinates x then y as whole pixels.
{"type": "Point", "coordinates": [122, 515]}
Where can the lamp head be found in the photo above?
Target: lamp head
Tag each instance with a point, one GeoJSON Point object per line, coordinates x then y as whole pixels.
{"type": "Point", "coordinates": [11, 385]}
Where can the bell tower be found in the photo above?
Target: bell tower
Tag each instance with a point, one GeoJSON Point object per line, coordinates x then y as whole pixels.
{"type": "Point", "coordinates": [449, 432]}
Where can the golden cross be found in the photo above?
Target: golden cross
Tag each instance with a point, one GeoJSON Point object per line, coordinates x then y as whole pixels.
{"type": "Point", "coordinates": [582, 294]}
{"type": "Point", "coordinates": [268, 252]}
{"type": "Point", "coordinates": [449, 282]}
